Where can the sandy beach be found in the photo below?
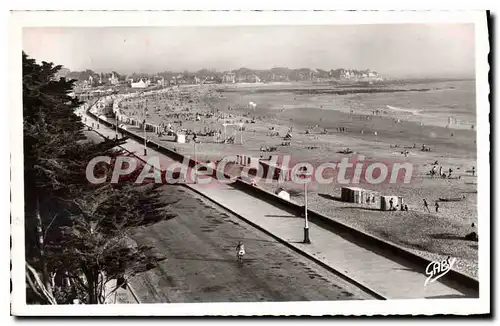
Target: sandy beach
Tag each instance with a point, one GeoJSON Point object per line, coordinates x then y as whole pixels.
{"type": "Point", "coordinates": [378, 125]}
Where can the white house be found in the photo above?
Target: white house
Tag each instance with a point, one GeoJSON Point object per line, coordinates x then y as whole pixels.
{"type": "Point", "coordinates": [229, 77]}
{"type": "Point", "coordinates": [113, 79]}
{"type": "Point", "coordinates": [139, 84]}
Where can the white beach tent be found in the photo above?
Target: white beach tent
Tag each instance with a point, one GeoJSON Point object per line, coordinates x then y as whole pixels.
{"type": "Point", "coordinates": [283, 194]}
{"type": "Point", "coordinates": [180, 138]}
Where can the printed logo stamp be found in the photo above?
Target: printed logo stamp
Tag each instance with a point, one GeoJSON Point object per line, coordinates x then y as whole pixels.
{"type": "Point", "coordinates": [438, 269]}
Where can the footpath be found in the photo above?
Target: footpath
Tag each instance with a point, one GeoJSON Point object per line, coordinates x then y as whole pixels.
{"type": "Point", "coordinates": [390, 277]}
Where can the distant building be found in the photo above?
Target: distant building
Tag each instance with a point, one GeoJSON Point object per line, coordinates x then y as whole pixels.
{"type": "Point", "coordinates": [229, 77]}
{"type": "Point", "coordinates": [354, 74]}
{"type": "Point", "coordinates": [313, 74]}
{"type": "Point", "coordinates": [346, 74]}
{"type": "Point", "coordinates": [140, 84]}
{"type": "Point", "coordinates": [279, 77]}
{"type": "Point", "coordinates": [113, 80]}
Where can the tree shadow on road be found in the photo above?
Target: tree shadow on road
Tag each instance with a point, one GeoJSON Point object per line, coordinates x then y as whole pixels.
{"type": "Point", "coordinates": [246, 239]}
{"type": "Point", "coordinates": [232, 260]}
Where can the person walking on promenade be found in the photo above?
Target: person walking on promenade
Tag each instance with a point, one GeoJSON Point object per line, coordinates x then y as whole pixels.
{"type": "Point", "coordinates": [426, 206]}
{"type": "Point", "coordinates": [240, 251]}
{"type": "Point", "coordinates": [437, 207]}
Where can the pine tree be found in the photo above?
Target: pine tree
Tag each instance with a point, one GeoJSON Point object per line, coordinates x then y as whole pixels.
{"type": "Point", "coordinates": [74, 228]}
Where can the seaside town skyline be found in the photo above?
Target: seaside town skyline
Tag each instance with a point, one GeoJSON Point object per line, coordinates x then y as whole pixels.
{"type": "Point", "coordinates": [395, 51]}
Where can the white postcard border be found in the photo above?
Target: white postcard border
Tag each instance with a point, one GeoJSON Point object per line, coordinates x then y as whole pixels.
{"type": "Point", "coordinates": [59, 19]}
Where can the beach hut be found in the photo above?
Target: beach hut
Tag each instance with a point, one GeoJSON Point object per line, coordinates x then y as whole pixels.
{"type": "Point", "coordinates": [246, 160]}
{"type": "Point", "coordinates": [251, 161]}
{"type": "Point", "coordinates": [353, 195]}
{"type": "Point", "coordinates": [385, 204]}
{"type": "Point", "coordinates": [275, 171]}
{"type": "Point", "coordinates": [240, 159]}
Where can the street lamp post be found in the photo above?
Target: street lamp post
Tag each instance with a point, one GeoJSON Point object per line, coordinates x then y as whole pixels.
{"type": "Point", "coordinates": [98, 119]}
{"type": "Point", "coordinates": [304, 173]}
{"type": "Point", "coordinates": [116, 130]}
{"type": "Point", "coordinates": [116, 119]}
{"type": "Point", "coordinates": [306, 221]}
{"type": "Point", "coordinates": [195, 160]}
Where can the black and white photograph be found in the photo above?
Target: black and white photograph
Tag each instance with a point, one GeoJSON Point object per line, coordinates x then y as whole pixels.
{"type": "Point", "coordinates": [250, 163]}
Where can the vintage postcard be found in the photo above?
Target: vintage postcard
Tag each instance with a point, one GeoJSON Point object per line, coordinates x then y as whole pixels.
{"type": "Point", "coordinates": [250, 163]}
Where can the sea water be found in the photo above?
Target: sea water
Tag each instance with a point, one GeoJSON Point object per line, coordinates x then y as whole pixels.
{"type": "Point", "coordinates": [449, 104]}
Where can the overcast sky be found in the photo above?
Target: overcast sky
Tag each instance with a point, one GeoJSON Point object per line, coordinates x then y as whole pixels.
{"type": "Point", "coordinates": [445, 50]}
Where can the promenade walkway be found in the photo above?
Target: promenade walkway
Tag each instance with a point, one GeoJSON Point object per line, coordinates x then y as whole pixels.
{"type": "Point", "coordinates": [392, 277]}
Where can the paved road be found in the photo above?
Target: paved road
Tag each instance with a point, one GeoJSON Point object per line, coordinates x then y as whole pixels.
{"type": "Point", "coordinates": [201, 266]}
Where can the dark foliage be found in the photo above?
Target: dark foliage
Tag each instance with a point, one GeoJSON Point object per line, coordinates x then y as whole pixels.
{"type": "Point", "coordinates": [84, 227]}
